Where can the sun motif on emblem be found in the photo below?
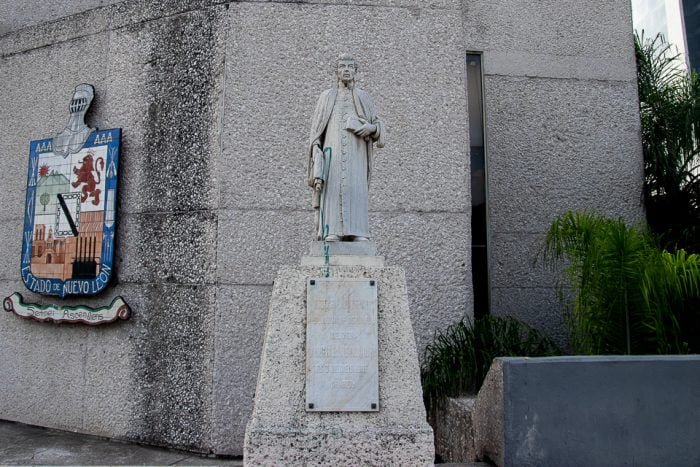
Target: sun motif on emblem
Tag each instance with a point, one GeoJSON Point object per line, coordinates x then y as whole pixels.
{"type": "Point", "coordinates": [44, 170]}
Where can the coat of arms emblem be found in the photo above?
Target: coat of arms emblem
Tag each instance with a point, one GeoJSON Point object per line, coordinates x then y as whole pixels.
{"type": "Point", "coordinates": [68, 244]}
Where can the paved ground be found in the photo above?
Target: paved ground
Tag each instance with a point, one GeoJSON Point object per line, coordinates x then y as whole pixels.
{"type": "Point", "coordinates": [30, 445]}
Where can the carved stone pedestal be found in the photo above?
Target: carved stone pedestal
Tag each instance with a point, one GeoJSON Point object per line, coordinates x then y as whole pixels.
{"type": "Point", "coordinates": [282, 432]}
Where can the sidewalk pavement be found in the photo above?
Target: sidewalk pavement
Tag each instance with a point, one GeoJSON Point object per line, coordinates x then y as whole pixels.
{"type": "Point", "coordinates": [22, 444]}
{"type": "Point", "coordinates": [30, 445]}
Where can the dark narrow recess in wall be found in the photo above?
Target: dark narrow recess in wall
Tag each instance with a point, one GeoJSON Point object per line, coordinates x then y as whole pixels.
{"type": "Point", "coordinates": [475, 108]}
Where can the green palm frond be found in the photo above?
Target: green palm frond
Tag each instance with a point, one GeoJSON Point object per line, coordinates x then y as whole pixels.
{"type": "Point", "coordinates": [629, 296]}
{"type": "Point", "coordinates": [669, 101]}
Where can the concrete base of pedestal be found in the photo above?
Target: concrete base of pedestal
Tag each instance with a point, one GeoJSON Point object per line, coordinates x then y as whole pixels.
{"type": "Point", "coordinates": [281, 432]}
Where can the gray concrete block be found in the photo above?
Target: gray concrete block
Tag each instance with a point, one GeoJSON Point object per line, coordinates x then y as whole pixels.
{"type": "Point", "coordinates": [167, 248]}
{"type": "Point", "coordinates": [424, 165]}
{"type": "Point", "coordinates": [454, 435]}
{"type": "Point", "coordinates": [488, 416]}
{"type": "Point", "coordinates": [582, 411]}
{"type": "Point", "coordinates": [553, 38]}
{"type": "Point", "coordinates": [240, 328]}
{"type": "Point", "coordinates": [586, 152]}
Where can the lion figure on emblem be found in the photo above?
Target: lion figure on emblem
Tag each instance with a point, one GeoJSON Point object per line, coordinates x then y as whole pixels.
{"type": "Point", "coordinates": [85, 176]}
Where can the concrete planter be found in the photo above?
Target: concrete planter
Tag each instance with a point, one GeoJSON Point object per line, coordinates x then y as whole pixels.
{"type": "Point", "coordinates": [578, 411]}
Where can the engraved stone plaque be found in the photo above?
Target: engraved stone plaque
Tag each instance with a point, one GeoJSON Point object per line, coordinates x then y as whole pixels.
{"type": "Point", "coordinates": [342, 371]}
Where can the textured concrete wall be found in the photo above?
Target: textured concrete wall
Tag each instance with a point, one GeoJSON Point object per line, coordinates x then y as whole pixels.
{"type": "Point", "coordinates": [215, 101]}
{"type": "Point", "coordinates": [18, 15]}
{"type": "Point", "coordinates": [562, 132]}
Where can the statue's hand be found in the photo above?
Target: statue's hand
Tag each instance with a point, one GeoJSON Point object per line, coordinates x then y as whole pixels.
{"type": "Point", "coordinates": [366, 130]}
{"type": "Point", "coordinates": [318, 184]}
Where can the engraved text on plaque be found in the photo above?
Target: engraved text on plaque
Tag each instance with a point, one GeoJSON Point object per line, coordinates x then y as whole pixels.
{"type": "Point", "coordinates": [342, 372]}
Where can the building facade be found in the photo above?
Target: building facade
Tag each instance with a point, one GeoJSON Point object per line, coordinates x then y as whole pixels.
{"type": "Point", "coordinates": [214, 99]}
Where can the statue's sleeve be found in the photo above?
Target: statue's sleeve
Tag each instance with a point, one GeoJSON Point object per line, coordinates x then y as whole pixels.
{"type": "Point", "coordinates": [378, 135]}
{"type": "Point", "coordinates": [314, 138]}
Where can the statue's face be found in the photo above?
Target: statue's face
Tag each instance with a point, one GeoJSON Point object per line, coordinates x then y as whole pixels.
{"type": "Point", "coordinates": [346, 70]}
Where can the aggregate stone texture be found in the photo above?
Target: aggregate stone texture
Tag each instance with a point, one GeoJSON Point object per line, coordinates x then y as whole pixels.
{"type": "Point", "coordinates": [11, 248]}
{"type": "Point", "coordinates": [554, 38]}
{"type": "Point", "coordinates": [168, 247]}
{"type": "Point", "coordinates": [454, 433]}
{"type": "Point", "coordinates": [166, 82]}
{"type": "Point", "coordinates": [554, 145]}
{"type": "Point", "coordinates": [33, 12]}
{"type": "Point", "coordinates": [172, 360]}
{"type": "Point", "coordinates": [68, 376]}
{"type": "Point", "coordinates": [280, 431]}
{"type": "Point", "coordinates": [488, 416]}
{"type": "Point", "coordinates": [240, 330]}
{"type": "Point", "coordinates": [520, 262]}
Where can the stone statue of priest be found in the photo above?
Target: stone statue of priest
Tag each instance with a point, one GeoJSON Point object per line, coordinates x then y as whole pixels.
{"type": "Point", "coordinates": [344, 128]}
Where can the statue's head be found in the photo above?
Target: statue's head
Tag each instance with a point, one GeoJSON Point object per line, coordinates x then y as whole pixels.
{"type": "Point", "coordinates": [346, 67]}
{"type": "Point", "coordinates": [82, 97]}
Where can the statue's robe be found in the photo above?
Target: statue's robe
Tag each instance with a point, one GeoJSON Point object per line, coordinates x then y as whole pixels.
{"type": "Point", "coordinates": [344, 199]}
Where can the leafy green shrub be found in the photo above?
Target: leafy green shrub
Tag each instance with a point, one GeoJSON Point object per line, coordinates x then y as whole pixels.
{"type": "Point", "coordinates": [627, 295]}
{"type": "Point", "coordinates": [457, 361]}
{"type": "Point", "coordinates": [669, 103]}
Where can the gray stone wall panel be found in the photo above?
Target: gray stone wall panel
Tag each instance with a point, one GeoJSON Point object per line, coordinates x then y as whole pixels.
{"type": "Point", "coordinates": [11, 248]}
{"type": "Point", "coordinates": [43, 376]}
{"type": "Point", "coordinates": [437, 273]}
{"type": "Point", "coordinates": [553, 37]}
{"type": "Point", "coordinates": [538, 307]}
{"type": "Point", "coordinates": [172, 361]}
{"type": "Point", "coordinates": [166, 83]}
{"type": "Point", "coordinates": [240, 327]}
{"type": "Point", "coordinates": [555, 145]}
{"type": "Point", "coordinates": [168, 248]}
{"type": "Point", "coordinates": [518, 261]}
{"type": "Point", "coordinates": [414, 74]}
